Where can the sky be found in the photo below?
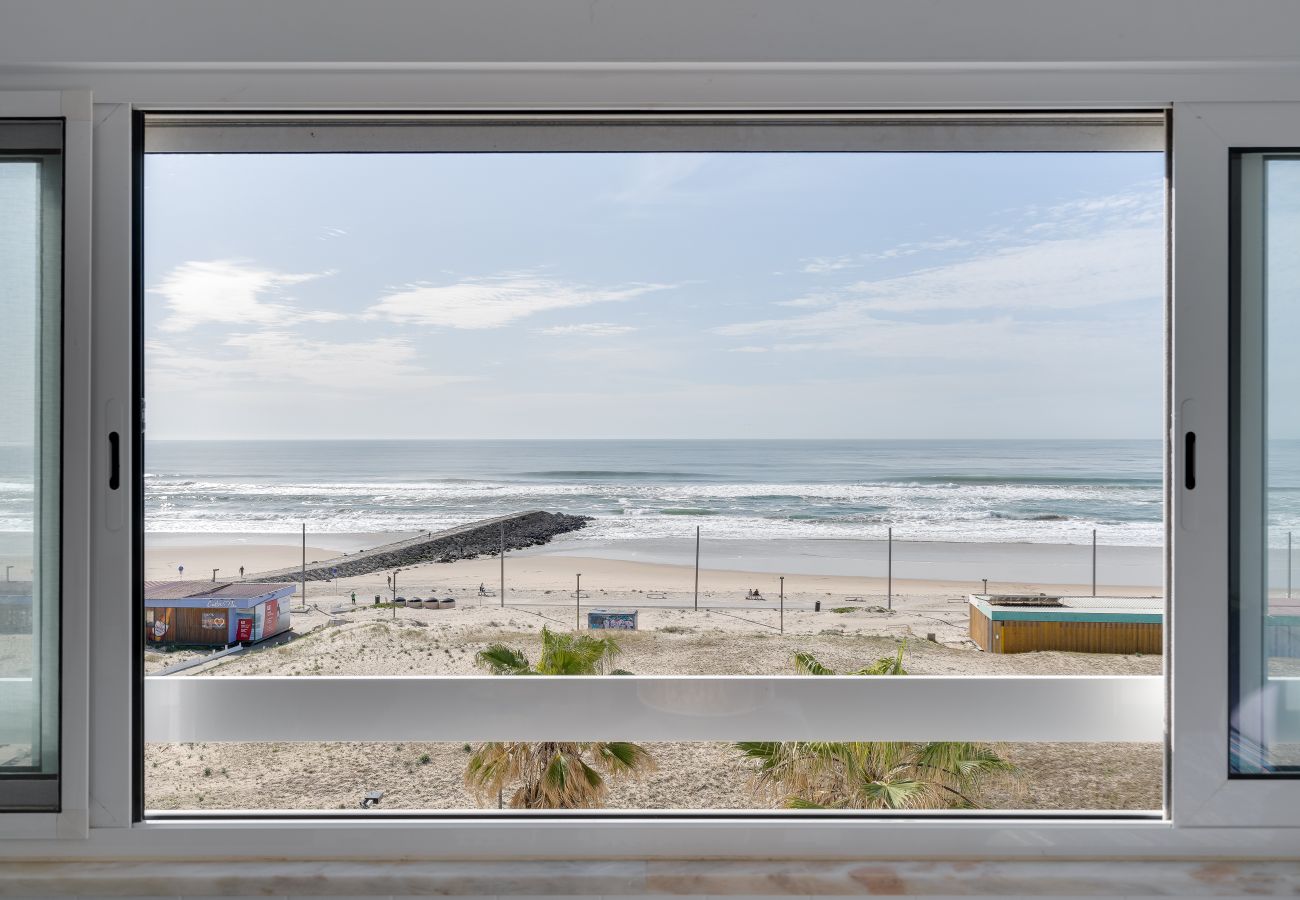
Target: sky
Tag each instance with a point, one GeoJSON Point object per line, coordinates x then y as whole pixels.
{"type": "Point", "coordinates": [654, 295]}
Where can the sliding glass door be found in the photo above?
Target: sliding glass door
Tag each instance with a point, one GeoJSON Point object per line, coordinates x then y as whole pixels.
{"type": "Point", "coordinates": [1265, 736]}
{"type": "Point", "coordinates": [31, 178]}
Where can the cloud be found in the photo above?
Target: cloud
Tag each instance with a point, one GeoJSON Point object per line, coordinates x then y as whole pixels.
{"type": "Point", "coordinates": [657, 177]}
{"type": "Point", "coordinates": [1115, 266]}
{"type": "Point", "coordinates": [819, 265]}
{"type": "Point", "coordinates": [278, 357]}
{"type": "Point", "coordinates": [1138, 206]}
{"type": "Point", "coordinates": [590, 329]}
{"type": "Point", "coordinates": [231, 292]}
{"type": "Point", "coordinates": [494, 302]}
{"type": "Point", "coordinates": [980, 345]}
{"type": "Point", "coordinates": [822, 265]}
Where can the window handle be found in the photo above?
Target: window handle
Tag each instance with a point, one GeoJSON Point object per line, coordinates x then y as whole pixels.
{"type": "Point", "coordinates": [114, 461]}
{"type": "Point", "coordinates": [1189, 460]}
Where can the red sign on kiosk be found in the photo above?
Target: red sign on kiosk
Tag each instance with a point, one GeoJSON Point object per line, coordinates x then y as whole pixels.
{"type": "Point", "coordinates": [244, 629]}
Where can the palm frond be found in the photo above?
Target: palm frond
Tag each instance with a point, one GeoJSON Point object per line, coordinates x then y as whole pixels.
{"type": "Point", "coordinates": [800, 803]}
{"type": "Point", "coordinates": [902, 793]}
{"type": "Point", "coordinates": [624, 757]}
{"type": "Point", "coordinates": [502, 660]}
{"type": "Point", "coordinates": [807, 664]}
{"type": "Point", "coordinates": [886, 665]}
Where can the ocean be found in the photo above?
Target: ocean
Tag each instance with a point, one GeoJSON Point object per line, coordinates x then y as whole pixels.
{"type": "Point", "coordinates": [994, 491]}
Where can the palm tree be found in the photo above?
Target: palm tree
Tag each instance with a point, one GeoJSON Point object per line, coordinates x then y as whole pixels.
{"type": "Point", "coordinates": [871, 774]}
{"type": "Point", "coordinates": [807, 664]}
{"type": "Point", "coordinates": [562, 654]}
{"type": "Point", "coordinates": [553, 775]}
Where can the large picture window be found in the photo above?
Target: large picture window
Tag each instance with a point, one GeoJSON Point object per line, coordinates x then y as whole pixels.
{"type": "Point", "coordinates": [735, 418]}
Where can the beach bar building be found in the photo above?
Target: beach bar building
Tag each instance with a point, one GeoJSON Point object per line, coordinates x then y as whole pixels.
{"type": "Point", "coordinates": [214, 614]}
{"type": "Point", "coordinates": [1003, 623]}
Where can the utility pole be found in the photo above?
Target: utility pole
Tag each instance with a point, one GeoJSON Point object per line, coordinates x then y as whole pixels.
{"type": "Point", "coordinates": [503, 565]}
{"type": "Point", "coordinates": [577, 595]}
{"type": "Point", "coordinates": [304, 565]}
{"type": "Point", "coordinates": [1094, 562]}
{"type": "Point", "coordinates": [697, 568]}
{"type": "Point", "coordinates": [214, 574]}
{"type": "Point", "coordinates": [393, 582]}
{"type": "Point", "coordinates": [889, 570]}
{"type": "Point", "coordinates": [783, 604]}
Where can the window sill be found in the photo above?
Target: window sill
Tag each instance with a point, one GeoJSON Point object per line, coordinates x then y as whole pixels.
{"type": "Point", "coordinates": [668, 877]}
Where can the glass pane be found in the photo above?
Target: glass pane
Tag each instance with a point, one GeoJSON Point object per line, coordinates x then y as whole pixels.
{"type": "Point", "coordinates": [456, 414]}
{"type": "Point", "coordinates": [1266, 505]}
{"type": "Point", "coordinates": [663, 775]}
{"type": "Point", "coordinates": [29, 478]}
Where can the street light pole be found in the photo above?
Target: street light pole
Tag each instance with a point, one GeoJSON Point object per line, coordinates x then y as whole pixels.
{"type": "Point", "coordinates": [783, 604]}
{"type": "Point", "coordinates": [1094, 562]}
{"type": "Point", "coordinates": [889, 571]}
{"type": "Point", "coordinates": [214, 574]}
{"type": "Point", "coordinates": [503, 565]}
{"type": "Point", "coordinates": [697, 568]}
{"type": "Point", "coordinates": [577, 596]}
{"type": "Point", "coordinates": [394, 584]}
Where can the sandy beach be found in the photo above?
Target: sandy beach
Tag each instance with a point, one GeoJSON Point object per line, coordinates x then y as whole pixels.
{"type": "Point", "coordinates": [731, 633]}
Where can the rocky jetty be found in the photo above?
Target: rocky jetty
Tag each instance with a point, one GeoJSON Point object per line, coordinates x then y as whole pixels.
{"type": "Point", "coordinates": [482, 538]}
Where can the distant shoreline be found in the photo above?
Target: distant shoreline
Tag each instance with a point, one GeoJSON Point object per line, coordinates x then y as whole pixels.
{"type": "Point", "coordinates": [1044, 564]}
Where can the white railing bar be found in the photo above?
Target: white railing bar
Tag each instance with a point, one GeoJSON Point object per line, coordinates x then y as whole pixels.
{"type": "Point", "coordinates": [688, 708]}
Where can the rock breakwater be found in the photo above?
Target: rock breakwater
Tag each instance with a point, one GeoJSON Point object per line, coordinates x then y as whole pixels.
{"type": "Point", "coordinates": [482, 538]}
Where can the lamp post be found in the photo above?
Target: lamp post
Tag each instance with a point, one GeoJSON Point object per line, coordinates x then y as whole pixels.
{"type": "Point", "coordinates": [7, 568]}
{"type": "Point", "coordinates": [577, 596]}
{"type": "Point", "coordinates": [697, 568]}
{"type": "Point", "coordinates": [393, 584]}
{"type": "Point", "coordinates": [214, 574]}
{"type": "Point", "coordinates": [889, 571]}
{"type": "Point", "coordinates": [1094, 562]}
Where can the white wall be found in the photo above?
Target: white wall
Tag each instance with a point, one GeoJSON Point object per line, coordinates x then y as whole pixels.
{"type": "Point", "coordinates": [667, 53]}
{"type": "Point", "coordinates": [402, 31]}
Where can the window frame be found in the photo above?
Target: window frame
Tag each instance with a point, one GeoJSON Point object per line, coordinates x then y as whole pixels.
{"type": "Point", "coordinates": [801, 708]}
{"type": "Point", "coordinates": [1207, 819]}
{"type": "Point", "coordinates": [72, 109]}
{"type": "Point", "coordinates": [1205, 137]}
